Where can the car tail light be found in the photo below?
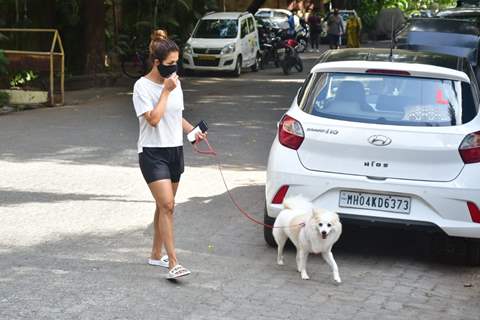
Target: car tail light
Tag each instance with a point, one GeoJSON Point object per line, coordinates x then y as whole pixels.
{"type": "Point", "coordinates": [388, 72]}
{"type": "Point", "coordinates": [290, 133]}
{"type": "Point", "coordinates": [280, 195]}
{"type": "Point", "coordinates": [474, 211]}
{"type": "Point", "coordinates": [470, 148]}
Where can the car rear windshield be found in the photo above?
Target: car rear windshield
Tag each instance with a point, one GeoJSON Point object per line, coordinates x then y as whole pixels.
{"type": "Point", "coordinates": [389, 99]}
{"type": "Point", "coordinates": [215, 29]}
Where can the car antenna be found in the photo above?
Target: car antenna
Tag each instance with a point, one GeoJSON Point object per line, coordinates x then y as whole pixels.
{"type": "Point", "coordinates": [392, 42]}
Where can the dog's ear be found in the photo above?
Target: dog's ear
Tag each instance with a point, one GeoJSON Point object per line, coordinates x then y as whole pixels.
{"type": "Point", "coordinates": [336, 218]}
{"type": "Point", "coordinates": [318, 211]}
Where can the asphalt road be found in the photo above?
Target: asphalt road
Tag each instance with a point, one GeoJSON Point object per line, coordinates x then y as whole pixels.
{"type": "Point", "coordinates": [75, 223]}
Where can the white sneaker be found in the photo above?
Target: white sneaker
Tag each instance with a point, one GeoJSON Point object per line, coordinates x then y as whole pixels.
{"type": "Point", "coordinates": [163, 262]}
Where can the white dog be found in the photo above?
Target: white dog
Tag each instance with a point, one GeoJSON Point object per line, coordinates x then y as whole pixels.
{"type": "Point", "coordinates": [311, 230]}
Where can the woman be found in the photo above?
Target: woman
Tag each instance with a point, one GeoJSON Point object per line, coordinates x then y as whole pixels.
{"type": "Point", "coordinates": [335, 29]}
{"type": "Point", "coordinates": [158, 102]}
{"type": "Point", "coordinates": [354, 28]}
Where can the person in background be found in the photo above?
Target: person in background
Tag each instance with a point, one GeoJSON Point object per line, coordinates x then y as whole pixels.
{"type": "Point", "coordinates": [315, 25]}
{"type": "Point", "coordinates": [335, 29]}
{"type": "Point", "coordinates": [354, 29]}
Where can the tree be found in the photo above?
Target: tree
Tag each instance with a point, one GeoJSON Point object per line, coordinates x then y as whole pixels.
{"type": "Point", "coordinates": [94, 37]}
{"type": "Point", "coordinates": [255, 5]}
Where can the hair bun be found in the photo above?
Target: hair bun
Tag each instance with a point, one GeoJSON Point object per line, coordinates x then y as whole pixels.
{"type": "Point", "coordinates": [159, 34]}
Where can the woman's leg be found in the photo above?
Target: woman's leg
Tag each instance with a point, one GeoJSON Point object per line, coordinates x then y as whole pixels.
{"type": "Point", "coordinates": [157, 239]}
{"type": "Point", "coordinates": [163, 192]}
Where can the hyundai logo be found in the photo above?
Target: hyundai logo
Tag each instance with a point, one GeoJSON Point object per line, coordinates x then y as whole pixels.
{"type": "Point", "coordinates": [378, 140]}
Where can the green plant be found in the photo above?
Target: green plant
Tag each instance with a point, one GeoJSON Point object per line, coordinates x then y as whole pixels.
{"type": "Point", "coordinates": [4, 98]}
{"type": "Point", "coordinates": [22, 78]}
{"type": "Point", "coordinates": [3, 63]}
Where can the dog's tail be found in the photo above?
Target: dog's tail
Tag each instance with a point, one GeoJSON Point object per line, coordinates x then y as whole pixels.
{"type": "Point", "coordinates": [298, 203]}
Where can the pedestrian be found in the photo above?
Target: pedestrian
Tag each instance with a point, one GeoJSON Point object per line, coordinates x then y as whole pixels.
{"type": "Point", "coordinates": [335, 29]}
{"type": "Point", "coordinates": [354, 29]}
{"type": "Point", "coordinates": [315, 26]}
{"type": "Point", "coordinates": [158, 102]}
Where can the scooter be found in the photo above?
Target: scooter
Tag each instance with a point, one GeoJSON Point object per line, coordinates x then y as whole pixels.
{"type": "Point", "coordinates": [302, 37]}
{"type": "Point", "coordinates": [291, 58]}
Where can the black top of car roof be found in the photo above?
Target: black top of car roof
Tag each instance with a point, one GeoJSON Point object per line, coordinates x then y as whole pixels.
{"type": "Point", "coordinates": [404, 56]}
{"type": "Point", "coordinates": [459, 11]}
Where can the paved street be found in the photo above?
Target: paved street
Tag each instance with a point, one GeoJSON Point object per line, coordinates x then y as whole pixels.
{"type": "Point", "coordinates": [75, 223]}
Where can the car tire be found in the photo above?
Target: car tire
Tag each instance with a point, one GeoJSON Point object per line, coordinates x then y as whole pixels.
{"type": "Point", "coordinates": [473, 253]}
{"type": "Point", "coordinates": [267, 231]}
{"type": "Point", "coordinates": [257, 63]}
{"type": "Point", "coordinates": [238, 67]}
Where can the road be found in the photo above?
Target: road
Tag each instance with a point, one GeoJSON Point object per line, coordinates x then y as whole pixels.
{"type": "Point", "coordinates": [75, 223]}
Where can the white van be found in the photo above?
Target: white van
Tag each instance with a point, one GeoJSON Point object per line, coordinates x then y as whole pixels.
{"type": "Point", "coordinates": [223, 41]}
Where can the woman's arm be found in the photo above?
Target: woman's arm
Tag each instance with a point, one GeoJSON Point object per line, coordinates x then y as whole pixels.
{"type": "Point", "coordinates": [153, 117]}
{"type": "Point", "coordinates": [187, 126]}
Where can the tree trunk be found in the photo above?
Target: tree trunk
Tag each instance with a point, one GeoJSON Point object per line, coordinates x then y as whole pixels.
{"type": "Point", "coordinates": [319, 5]}
{"type": "Point", "coordinates": [255, 5]}
{"type": "Point", "coordinates": [94, 38]}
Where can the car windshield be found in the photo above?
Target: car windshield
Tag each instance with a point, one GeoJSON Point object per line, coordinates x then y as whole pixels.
{"type": "Point", "coordinates": [214, 29]}
{"type": "Point", "coordinates": [389, 99]}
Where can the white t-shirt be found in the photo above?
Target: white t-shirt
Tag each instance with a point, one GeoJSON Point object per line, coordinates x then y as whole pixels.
{"type": "Point", "coordinates": [168, 132]}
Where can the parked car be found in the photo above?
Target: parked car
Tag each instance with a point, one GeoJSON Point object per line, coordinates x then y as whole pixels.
{"type": "Point", "coordinates": [439, 35]}
{"type": "Point", "coordinates": [383, 138]}
{"type": "Point", "coordinates": [225, 41]}
{"type": "Point", "coordinates": [279, 16]}
{"type": "Point", "coordinates": [465, 13]}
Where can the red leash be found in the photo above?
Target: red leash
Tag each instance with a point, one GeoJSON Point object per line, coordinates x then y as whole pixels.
{"type": "Point", "coordinates": [211, 152]}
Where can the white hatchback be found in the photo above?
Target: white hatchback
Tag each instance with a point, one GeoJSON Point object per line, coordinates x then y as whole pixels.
{"type": "Point", "coordinates": [382, 138]}
{"type": "Point", "coordinates": [223, 41]}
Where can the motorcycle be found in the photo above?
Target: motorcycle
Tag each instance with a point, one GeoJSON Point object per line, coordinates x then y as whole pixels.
{"type": "Point", "coordinates": [291, 58]}
{"type": "Point", "coordinates": [302, 37]}
{"type": "Point", "coordinates": [270, 44]}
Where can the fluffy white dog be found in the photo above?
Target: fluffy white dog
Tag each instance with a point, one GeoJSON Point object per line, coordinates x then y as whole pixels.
{"type": "Point", "coordinates": [311, 230]}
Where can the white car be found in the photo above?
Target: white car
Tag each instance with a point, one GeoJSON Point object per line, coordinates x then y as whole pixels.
{"type": "Point", "coordinates": [224, 41]}
{"type": "Point", "coordinates": [279, 16]}
{"type": "Point", "coordinates": [384, 139]}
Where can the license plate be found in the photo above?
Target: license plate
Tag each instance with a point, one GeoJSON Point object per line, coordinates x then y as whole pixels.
{"type": "Point", "coordinates": [374, 201]}
{"type": "Point", "coordinates": [206, 57]}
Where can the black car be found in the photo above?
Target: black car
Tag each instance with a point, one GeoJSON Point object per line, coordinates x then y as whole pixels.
{"type": "Point", "coordinates": [438, 35]}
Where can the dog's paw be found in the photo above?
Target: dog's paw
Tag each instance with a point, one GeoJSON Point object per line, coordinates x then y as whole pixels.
{"type": "Point", "coordinates": [337, 279]}
{"type": "Point", "coordinates": [280, 262]}
{"type": "Point", "coordinates": [305, 276]}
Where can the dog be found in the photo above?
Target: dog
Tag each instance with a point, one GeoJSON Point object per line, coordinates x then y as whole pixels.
{"type": "Point", "coordinates": [311, 230]}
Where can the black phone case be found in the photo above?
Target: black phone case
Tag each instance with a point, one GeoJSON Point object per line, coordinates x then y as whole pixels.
{"type": "Point", "coordinates": [203, 126]}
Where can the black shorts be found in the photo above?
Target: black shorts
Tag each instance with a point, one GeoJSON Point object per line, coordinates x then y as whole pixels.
{"type": "Point", "coordinates": [161, 163]}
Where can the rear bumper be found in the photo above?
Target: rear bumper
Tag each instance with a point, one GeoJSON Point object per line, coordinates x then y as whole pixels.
{"type": "Point", "coordinates": [222, 63]}
{"type": "Point", "coordinates": [438, 204]}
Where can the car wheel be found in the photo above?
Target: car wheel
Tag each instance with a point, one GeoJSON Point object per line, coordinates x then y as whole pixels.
{"type": "Point", "coordinates": [267, 232]}
{"type": "Point", "coordinates": [473, 252]}
{"type": "Point", "coordinates": [238, 67]}
{"type": "Point", "coordinates": [257, 63]}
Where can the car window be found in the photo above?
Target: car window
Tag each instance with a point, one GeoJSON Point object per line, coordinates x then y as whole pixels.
{"type": "Point", "coordinates": [251, 25]}
{"type": "Point", "coordinates": [390, 99]}
{"type": "Point", "coordinates": [214, 29]}
{"type": "Point", "coordinates": [280, 15]}
{"type": "Point", "coordinates": [244, 28]}
{"type": "Point", "coordinates": [265, 14]}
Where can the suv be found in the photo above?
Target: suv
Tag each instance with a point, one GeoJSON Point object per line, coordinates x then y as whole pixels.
{"type": "Point", "coordinates": [384, 137]}
{"type": "Point", "coordinates": [224, 41]}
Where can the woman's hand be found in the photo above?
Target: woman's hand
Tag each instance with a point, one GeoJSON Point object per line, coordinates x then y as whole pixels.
{"type": "Point", "coordinates": [200, 136]}
{"type": "Point", "coordinates": [171, 83]}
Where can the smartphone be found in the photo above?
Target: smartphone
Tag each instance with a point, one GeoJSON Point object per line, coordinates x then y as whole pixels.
{"type": "Point", "coordinates": [201, 127]}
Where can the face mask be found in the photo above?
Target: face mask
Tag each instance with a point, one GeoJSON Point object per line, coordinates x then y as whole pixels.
{"type": "Point", "coordinates": [167, 71]}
